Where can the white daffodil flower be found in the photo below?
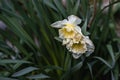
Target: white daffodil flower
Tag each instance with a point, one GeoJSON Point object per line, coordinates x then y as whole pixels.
{"type": "Point", "coordinates": [84, 45]}
{"type": "Point", "coordinates": [67, 27]}
{"type": "Point", "coordinates": [77, 48]}
{"type": "Point", "coordinates": [72, 37]}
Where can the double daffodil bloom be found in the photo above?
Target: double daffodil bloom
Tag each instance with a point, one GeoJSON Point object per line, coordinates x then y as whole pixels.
{"type": "Point", "coordinates": [81, 46]}
{"type": "Point", "coordinates": [72, 37]}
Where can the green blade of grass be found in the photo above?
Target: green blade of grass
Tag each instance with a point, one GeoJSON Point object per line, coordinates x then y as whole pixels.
{"type": "Point", "coordinates": [105, 62]}
{"type": "Point", "coordinates": [38, 76]}
{"type": "Point", "coordinates": [24, 71]}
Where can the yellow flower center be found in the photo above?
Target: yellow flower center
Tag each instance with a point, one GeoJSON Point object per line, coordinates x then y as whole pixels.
{"type": "Point", "coordinates": [66, 34]}
{"type": "Point", "coordinates": [69, 25]}
{"type": "Point", "coordinates": [79, 47]}
{"type": "Point", "coordinates": [67, 31]}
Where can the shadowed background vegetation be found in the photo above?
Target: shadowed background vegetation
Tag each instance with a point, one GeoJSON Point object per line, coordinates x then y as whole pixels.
{"type": "Point", "coordinates": [29, 51]}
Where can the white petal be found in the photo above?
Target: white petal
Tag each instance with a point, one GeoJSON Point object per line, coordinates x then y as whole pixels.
{"type": "Point", "coordinates": [88, 41]}
{"type": "Point", "coordinates": [78, 29]}
{"type": "Point", "coordinates": [59, 24]}
{"type": "Point", "coordinates": [64, 21]}
{"type": "Point", "coordinates": [76, 55]}
{"type": "Point", "coordinates": [90, 45]}
{"type": "Point", "coordinates": [74, 19]}
{"type": "Point", "coordinates": [68, 46]}
{"type": "Point", "coordinates": [66, 41]}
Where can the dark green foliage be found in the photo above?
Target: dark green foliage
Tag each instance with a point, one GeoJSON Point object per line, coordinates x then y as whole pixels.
{"type": "Point", "coordinates": [29, 51]}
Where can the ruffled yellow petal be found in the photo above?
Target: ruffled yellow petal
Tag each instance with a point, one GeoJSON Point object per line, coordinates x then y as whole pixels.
{"type": "Point", "coordinates": [64, 33]}
{"type": "Point", "coordinates": [69, 26]}
{"type": "Point", "coordinates": [78, 48]}
{"type": "Point", "coordinates": [77, 38]}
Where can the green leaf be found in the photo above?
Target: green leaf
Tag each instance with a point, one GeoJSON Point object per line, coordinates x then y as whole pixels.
{"type": "Point", "coordinates": [58, 39]}
{"type": "Point", "coordinates": [15, 26]}
{"type": "Point", "coordinates": [49, 4]}
{"type": "Point", "coordinates": [4, 78]}
{"type": "Point", "coordinates": [60, 7]}
{"type": "Point", "coordinates": [24, 71]}
{"type": "Point", "coordinates": [38, 76]}
{"type": "Point", "coordinates": [13, 14]}
{"type": "Point", "coordinates": [51, 68]}
{"type": "Point", "coordinates": [116, 72]}
{"type": "Point", "coordinates": [110, 49]}
{"type": "Point", "coordinates": [76, 7]}
{"type": "Point", "coordinates": [90, 69]}
{"type": "Point", "coordinates": [84, 28]}
{"type": "Point", "coordinates": [105, 62]}
{"type": "Point", "coordinates": [77, 66]}
{"type": "Point", "coordinates": [72, 70]}
{"type": "Point", "coordinates": [112, 76]}
{"type": "Point", "coordinates": [8, 61]}
{"type": "Point", "coordinates": [67, 66]}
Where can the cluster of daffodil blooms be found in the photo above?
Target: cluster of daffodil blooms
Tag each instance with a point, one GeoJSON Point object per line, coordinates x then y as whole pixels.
{"type": "Point", "coordinates": [72, 37]}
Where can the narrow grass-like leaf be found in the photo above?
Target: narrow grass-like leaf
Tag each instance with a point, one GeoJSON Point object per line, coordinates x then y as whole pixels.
{"type": "Point", "coordinates": [110, 49]}
{"type": "Point", "coordinates": [38, 9]}
{"type": "Point", "coordinates": [90, 69]}
{"type": "Point", "coordinates": [112, 76]}
{"type": "Point", "coordinates": [38, 76]}
{"type": "Point", "coordinates": [65, 75]}
{"type": "Point", "coordinates": [84, 7]}
{"type": "Point", "coordinates": [60, 7]}
{"type": "Point", "coordinates": [24, 71]}
{"type": "Point", "coordinates": [58, 39]}
{"type": "Point", "coordinates": [77, 66]}
{"type": "Point", "coordinates": [84, 28]}
{"type": "Point", "coordinates": [105, 62]}
{"type": "Point", "coordinates": [13, 14]}
{"type": "Point", "coordinates": [50, 68]}
{"type": "Point", "coordinates": [19, 64]}
{"type": "Point", "coordinates": [50, 4]}
{"type": "Point", "coordinates": [67, 66]}
{"type": "Point", "coordinates": [76, 7]}
{"type": "Point", "coordinates": [8, 61]}
{"type": "Point", "coordinates": [4, 78]}
{"type": "Point", "coordinates": [68, 6]}
{"type": "Point", "coordinates": [28, 24]}
{"type": "Point", "coordinates": [116, 72]}
{"type": "Point", "coordinates": [17, 29]}
{"type": "Point", "coordinates": [5, 50]}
